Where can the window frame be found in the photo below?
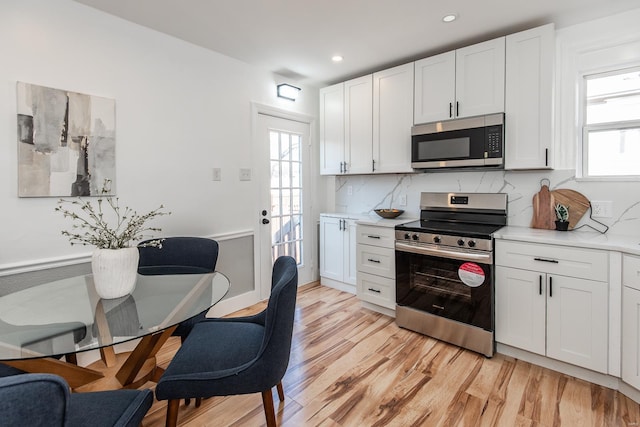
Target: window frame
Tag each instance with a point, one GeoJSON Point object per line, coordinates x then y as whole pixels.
{"type": "Point", "coordinates": [584, 128]}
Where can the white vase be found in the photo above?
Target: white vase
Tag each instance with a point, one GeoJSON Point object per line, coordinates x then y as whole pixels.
{"type": "Point", "coordinates": [114, 271]}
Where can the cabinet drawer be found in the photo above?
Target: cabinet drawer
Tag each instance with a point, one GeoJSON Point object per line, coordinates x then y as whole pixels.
{"type": "Point", "coordinates": [377, 290]}
{"type": "Point", "coordinates": [583, 263]}
{"type": "Point", "coordinates": [376, 236]}
{"type": "Point", "coordinates": [376, 260]}
{"type": "Point", "coordinates": [631, 271]}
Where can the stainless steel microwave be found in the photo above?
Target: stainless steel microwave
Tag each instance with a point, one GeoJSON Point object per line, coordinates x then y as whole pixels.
{"type": "Point", "coordinates": [475, 142]}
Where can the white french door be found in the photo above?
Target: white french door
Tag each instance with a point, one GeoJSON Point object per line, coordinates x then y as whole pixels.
{"type": "Point", "coordinates": [285, 221]}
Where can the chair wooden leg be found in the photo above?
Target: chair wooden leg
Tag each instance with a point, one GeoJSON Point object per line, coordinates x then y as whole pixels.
{"type": "Point", "coordinates": [198, 402]}
{"type": "Point", "coordinates": [267, 402]}
{"type": "Point", "coordinates": [172, 413]}
{"type": "Point", "coordinates": [280, 391]}
{"type": "Point", "coordinates": [187, 401]}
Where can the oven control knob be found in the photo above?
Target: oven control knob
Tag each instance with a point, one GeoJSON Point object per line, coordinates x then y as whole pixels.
{"type": "Point", "coordinates": [460, 242]}
{"type": "Point", "coordinates": [407, 236]}
{"type": "Point", "coordinates": [471, 243]}
{"type": "Point", "coordinates": [415, 237]}
{"type": "Point", "coordinates": [437, 239]}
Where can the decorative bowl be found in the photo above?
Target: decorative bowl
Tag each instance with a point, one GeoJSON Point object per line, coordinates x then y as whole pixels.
{"type": "Point", "coordinates": [389, 213]}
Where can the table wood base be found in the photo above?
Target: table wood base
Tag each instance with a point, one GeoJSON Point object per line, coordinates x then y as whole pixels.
{"type": "Point", "coordinates": [109, 380]}
{"type": "Point", "coordinates": [112, 372]}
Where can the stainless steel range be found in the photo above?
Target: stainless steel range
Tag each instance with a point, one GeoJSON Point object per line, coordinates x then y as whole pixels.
{"type": "Point", "coordinates": [445, 269]}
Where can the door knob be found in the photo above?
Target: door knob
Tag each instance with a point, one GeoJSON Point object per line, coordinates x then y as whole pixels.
{"type": "Point", "coordinates": [265, 221]}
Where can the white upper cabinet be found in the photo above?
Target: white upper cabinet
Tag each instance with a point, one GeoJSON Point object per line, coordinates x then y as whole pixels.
{"type": "Point", "coordinates": [332, 129]}
{"type": "Point", "coordinates": [480, 79]}
{"type": "Point", "coordinates": [529, 98]}
{"type": "Point", "coordinates": [435, 88]}
{"type": "Point", "coordinates": [358, 125]}
{"type": "Point", "coordinates": [463, 83]}
{"type": "Point", "coordinates": [392, 119]}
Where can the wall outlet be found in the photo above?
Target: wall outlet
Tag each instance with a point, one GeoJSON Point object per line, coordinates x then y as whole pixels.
{"type": "Point", "coordinates": [602, 209]}
{"type": "Point", "coordinates": [403, 200]}
{"type": "Point", "coordinates": [216, 174]}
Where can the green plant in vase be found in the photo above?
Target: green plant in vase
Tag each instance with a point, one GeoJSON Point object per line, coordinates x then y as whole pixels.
{"type": "Point", "coordinates": [562, 215]}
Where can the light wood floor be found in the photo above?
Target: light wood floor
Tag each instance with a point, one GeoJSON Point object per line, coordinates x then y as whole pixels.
{"type": "Point", "coordinates": [352, 367]}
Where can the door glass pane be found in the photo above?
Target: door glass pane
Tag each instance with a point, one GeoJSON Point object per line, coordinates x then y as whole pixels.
{"type": "Point", "coordinates": [286, 195]}
{"type": "Point", "coordinates": [296, 179]}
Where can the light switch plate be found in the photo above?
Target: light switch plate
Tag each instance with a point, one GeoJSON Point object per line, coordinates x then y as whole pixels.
{"type": "Point", "coordinates": [245, 174]}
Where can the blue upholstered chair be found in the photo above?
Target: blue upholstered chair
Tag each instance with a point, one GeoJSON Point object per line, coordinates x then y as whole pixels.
{"type": "Point", "coordinates": [180, 255]}
{"type": "Point", "coordinates": [230, 356]}
{"type": "Point", "coordinates": [7, 371]}
{"type": "Point", "coordinates": [45, 400]}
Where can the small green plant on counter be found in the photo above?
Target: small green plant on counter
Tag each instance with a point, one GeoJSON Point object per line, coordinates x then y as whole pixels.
{"type": "Point", "coordinates": [562, 212]}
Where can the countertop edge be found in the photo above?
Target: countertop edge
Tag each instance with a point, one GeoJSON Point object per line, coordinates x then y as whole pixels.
{"type": "Point", "coordinates": [578, 239]}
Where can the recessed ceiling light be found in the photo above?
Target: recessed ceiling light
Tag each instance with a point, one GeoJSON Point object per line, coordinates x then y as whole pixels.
{"type": "Point", "coordinates": [449, 17]}
{"type": "Point", "coordinates": [337, 58]}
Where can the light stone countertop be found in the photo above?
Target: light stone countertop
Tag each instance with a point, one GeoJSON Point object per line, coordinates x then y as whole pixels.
{"type": "Point", "coordinates": [374, 220]}
{"type": "Point", "coordinates": [580, 239]}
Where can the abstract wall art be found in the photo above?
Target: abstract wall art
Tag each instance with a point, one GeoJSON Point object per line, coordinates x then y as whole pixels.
{"type": "Point", "coordinates": [66, 142]}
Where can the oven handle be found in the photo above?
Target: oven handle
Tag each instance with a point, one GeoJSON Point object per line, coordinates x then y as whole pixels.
{"type": "Point", "coordinates": [483, 258]}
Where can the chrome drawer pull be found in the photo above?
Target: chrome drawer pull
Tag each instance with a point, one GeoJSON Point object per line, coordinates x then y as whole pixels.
{"type": "Point", "coordinates": [373, 237]}
{"type": "Point", "coordinates": [374, 260]}
{"type": "Point", "coordinates": [374, 290]}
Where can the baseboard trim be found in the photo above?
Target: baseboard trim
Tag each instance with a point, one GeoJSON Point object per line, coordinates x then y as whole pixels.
{"type": "Point", "coordinates": [335, 284]}
{"type": "Point", "coordinates": [564, 368]}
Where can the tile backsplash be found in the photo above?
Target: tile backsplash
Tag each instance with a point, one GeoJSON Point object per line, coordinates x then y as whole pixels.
{"type": "Point", "coordinates": [363, 193]}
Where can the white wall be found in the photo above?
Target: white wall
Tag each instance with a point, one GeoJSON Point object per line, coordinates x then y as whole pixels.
{"type": "Point", "coordinates": [180, 111]}
{"type": "Point", "coordinates": [580, 49]}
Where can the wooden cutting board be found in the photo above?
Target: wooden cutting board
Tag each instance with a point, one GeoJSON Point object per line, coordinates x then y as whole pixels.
{"type": "Point", "coordinates": [578, 204]}
{"type": "Point", "coordinates": [544, 215]}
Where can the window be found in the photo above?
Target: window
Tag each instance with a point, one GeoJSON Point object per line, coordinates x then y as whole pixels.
{"type": "Point", "coordinates": [611, 131]}
{"type": "Point", "coordinates": [286, 194]}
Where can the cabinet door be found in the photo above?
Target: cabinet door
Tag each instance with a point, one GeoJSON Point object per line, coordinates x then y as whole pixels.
{"type": "Point", "coordinates": [529, 98]}
{"type": "Point", "coordinates": [480, 78]}
{"type": "Point", "coordinates": [392, 119]}
{"type": "Point", "coordinates": [358, 127]}
{"type": "Point", "coordinates": [331, 129]}
{"type": "Point", "coordinates": [331, 248]}
{"type": "Point", "coordinates": [577, 321]}
{"type": "Point", "coordinates": [631, 336]}
{"type": "Point", "coordinates": [350, 257]}
{"type": "Point", "coordinates": [520, 309]}
{"type": "Point", "coordinates": [435, 79]}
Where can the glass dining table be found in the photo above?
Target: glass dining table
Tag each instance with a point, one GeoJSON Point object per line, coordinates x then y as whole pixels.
{"type": "Point", "coordinates": [65, 317]}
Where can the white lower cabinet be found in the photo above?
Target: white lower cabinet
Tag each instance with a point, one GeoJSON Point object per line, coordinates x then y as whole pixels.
{"type": "Point", "coordinates": [376, 265]}
{"type": "Point", "coordinates": [553, 301]}
{"type": "Point", "coordinates": [338, 251]}
{"type": "Point", "coordinates": [631, 320]}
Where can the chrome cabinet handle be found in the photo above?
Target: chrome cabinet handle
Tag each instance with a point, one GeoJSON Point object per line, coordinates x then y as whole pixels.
{"type": "Point", "coordinates": [377, 261]}
{"type": "Point", "coordinates": [374, 290]}
{"type": "Point", "coordinates": [373, 237]}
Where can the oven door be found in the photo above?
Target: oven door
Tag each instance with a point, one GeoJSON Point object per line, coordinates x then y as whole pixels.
{"type": "Point", "coordinates": [457, 285]}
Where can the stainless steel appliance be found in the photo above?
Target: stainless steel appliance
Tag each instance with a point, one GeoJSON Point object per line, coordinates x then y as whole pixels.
{"type": "Point", "coordinates": [445, 268]}
{"type": "Point", "coordinates": [472, 142]}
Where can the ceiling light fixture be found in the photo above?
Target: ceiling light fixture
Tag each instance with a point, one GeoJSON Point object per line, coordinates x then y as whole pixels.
{"type": "Point", "coordinates": [288, 91]}
{"type": "Point", "coordinates": [449, 17]}
{"type": "Point", "coordinates": [337, 58]}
